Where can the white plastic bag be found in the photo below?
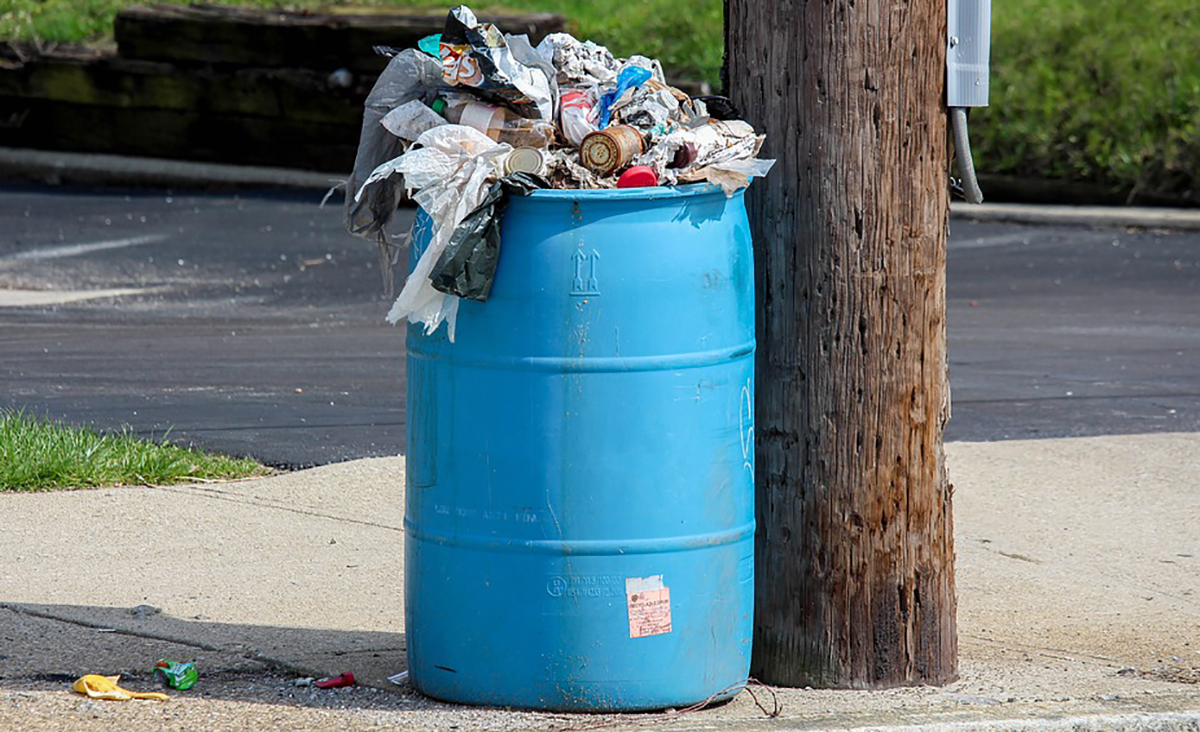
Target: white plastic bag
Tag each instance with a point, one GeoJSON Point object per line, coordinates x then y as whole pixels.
{"type": "Point", "coordinates": [734, 174]}
{"type": "Point", "coordinates": [409, 120]}
{"type": "Point", "coordinates": [447, 171]}
{"type": "Point", "coordinates": [410, 75]}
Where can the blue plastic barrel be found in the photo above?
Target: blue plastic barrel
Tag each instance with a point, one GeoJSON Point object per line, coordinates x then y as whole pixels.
{"type": "Point", "coordinates": [579, 516]}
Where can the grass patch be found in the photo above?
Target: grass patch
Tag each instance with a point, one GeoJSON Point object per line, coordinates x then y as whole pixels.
{"type": "Point", "coordinates": [39, 454]}
{"type": "Point", "coordinates": [1092, 91]}
{"type": "Point", "coordinates": [686, 35]}
{"type": "Point", "coordinates": [1095, 91]}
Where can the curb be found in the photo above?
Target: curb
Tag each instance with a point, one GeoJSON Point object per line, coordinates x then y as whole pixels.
{"type": "Point", "coordinates": [1121, 216]}
{"type": "Point", "coordinates": [56, 168]}
{"type": "Point", "coordinates": [1144, 722]}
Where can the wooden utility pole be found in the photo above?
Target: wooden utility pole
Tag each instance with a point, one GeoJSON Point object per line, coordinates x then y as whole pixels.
{"type": "Point", "coordinates": [855, 547]}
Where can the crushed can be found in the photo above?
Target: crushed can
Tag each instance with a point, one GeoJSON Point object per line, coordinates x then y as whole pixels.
{"type": "Point", "coordinates": [175, 674]}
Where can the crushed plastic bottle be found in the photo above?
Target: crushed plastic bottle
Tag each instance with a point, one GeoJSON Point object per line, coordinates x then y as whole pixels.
{"type": "Point", "coordinates": [176, 674]}
{"type": "Point", "coordinates": [499, 123]}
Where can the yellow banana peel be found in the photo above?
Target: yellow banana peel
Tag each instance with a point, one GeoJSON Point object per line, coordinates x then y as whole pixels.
{"type": "Point", "coordinates": [106, 687]}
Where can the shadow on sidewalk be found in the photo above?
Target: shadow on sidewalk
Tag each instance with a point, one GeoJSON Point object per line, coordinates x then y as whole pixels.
{"type": "Point", "coordinates": [48, 646]}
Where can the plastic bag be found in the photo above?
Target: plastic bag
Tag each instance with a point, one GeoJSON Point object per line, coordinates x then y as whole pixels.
{"type": "Point", "coordinates": [409, 121]}
{"type": "Point", "coordinates": [410, 75]}
{"type": "Point", "coordinates": [467, 266]}
{"type": "Point", "coordinates": [649, 64]}
{"type": "Point", "coordinates": [719, 107]}
{"type": "Point", "coordinates": [502, 69]}
{"type": "Point", "coordinates": [734, 174]}
{"type": "Point", "coordinates": [629, 78]}
{"type": "Point", "coordinates": [447, 171]}
{"type": "Point", "coordinates": [577, 115]}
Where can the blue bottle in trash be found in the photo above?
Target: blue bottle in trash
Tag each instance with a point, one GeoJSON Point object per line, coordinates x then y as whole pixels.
{"type": "Point", "coordinates": [579, 518]}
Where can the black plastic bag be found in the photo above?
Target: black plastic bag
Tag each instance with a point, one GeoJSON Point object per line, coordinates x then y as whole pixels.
{"type": "Point", "coordinates": [720, 108]}
{"type": "Point", "coordinates": [467, 267]}
{"type": "Point", "coordinates": [409, 75]}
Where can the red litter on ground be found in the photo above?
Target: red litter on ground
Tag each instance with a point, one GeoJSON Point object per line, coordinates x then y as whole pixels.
{"type": "Point", "coordinates": [639, 176]}
{"type": "Point", "coordinates": [333, 682]}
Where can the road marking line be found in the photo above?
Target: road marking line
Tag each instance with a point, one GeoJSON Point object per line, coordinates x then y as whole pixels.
{"type": "Point", "coordinates": [41, 298]}
{"type": "Point", "coordinates": [74, 250]}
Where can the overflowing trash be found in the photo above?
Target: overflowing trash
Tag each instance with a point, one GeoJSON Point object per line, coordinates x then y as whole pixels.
{"type": "Point", "coordinates": [490, 116]}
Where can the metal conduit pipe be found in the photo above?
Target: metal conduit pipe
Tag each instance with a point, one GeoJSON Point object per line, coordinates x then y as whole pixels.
{"type": "Point", "coordinates": [962, 155]}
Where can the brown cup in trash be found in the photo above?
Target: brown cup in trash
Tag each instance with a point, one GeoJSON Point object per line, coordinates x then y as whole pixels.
{"type": "Point", "coordinates": [606, 151]}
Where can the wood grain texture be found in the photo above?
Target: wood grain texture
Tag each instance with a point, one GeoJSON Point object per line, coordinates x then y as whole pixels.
{"type": "Point", "coordinates": [854, 554]}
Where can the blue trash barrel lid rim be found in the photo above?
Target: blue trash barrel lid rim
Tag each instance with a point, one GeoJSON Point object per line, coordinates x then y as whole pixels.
{"type": "Point", "coordinates": [647, 193]}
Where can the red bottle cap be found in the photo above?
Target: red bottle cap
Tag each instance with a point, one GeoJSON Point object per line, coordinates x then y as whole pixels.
{"type": "Point", "coordinates": [639, 176]}
{"type": "Point", "coordinates": [333, 682]}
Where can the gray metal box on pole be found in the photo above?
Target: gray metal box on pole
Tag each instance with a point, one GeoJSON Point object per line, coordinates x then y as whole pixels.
{"type": "Point", "coordinates": [968, 44]}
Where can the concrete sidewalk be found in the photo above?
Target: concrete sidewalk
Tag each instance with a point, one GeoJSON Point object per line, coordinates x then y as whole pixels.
{"type": "Point", "coordinates": [1078, 579]}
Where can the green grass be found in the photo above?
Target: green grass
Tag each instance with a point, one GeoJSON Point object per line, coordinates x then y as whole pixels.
{"type": "Point", "coordinates": [38, 454]}
{"type": "Point", "coordinates": [685, 35]}
{"type": "Point", "coordinates": [1093, 91]}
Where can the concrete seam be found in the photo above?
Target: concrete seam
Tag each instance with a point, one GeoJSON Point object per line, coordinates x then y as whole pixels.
{"type": "Point", "coordinates": [216, 495]}
{"type": "Point", "coordinates": [1143, 722]}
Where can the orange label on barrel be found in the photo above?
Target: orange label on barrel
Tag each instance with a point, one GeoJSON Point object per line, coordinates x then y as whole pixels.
{"type": "Point", "coordinates": [649, 606]}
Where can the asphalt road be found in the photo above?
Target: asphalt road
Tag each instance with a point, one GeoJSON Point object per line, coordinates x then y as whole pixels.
{"type": "Point", "coordinates": [257, 326]}
{"type": "Point", "coordinates": [253, 324]}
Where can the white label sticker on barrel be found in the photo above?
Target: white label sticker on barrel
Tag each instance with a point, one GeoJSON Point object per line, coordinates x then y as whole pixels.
{"type": "Point", "coordinates": [649, 606]}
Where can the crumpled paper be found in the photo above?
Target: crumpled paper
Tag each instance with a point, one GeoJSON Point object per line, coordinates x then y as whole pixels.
{"type": "Point", "coordinates": [653, 111]}
{"type": "Point", "coordinates": [578, 63]}
{"type": "Point", "coordinates": [734, 175]}
{"type": "Point", "coordinates": [724, 155]}
{"type": "Point", "coordinates": [565, 171]}
{"type": "Point", "coordinates": [447, 173]}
